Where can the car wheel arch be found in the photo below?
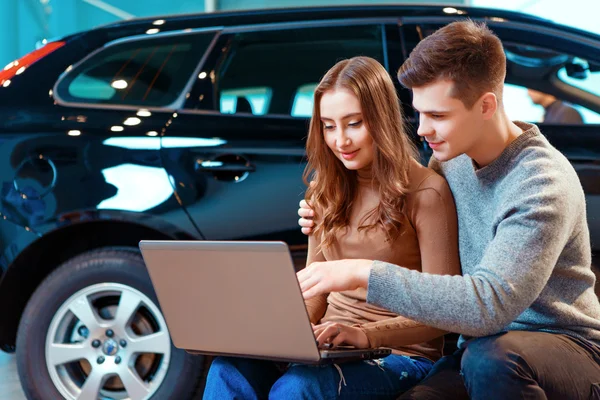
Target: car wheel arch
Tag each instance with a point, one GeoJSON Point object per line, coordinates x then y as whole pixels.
{"type": "Point", "coordinates": [38, 259]}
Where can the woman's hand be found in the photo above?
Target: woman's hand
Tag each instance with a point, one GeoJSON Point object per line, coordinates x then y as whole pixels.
{"type": "Point", "coordinates": [333, 276]}
{"type": "Point", "coordinates": [334, 334]}
{"type": "Point", "coordinates": [306, 217]}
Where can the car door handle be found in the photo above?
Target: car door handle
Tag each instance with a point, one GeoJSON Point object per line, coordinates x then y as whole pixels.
{"type": "Point", "coordinates": [223, 166]}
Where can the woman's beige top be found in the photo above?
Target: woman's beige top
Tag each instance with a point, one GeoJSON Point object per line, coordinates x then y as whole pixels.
{"type": "Point", "coordinates": [428, 242]}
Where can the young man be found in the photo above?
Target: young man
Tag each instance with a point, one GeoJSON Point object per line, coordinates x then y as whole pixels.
{"type": "Point", "coordinates": [555, 111]}
{"type": "Point", "coordinates": [525, 305]}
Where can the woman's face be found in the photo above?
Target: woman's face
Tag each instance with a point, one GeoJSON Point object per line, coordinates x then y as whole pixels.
{"type": "Point", "coordinates": [344, 129]}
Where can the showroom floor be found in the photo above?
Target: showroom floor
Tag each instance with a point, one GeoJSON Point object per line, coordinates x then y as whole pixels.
{"type": "Point", "coordinates": [9, 380]}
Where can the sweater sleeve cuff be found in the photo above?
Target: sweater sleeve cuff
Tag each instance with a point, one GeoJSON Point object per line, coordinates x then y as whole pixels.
{"type": "Point", "coordinates": [374, 340]}
{"type": "Point", "coordinates": [379, 288]}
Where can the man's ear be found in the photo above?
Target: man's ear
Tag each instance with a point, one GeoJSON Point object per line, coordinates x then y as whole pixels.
{"type": "Point", "coordinates": [489, 105]}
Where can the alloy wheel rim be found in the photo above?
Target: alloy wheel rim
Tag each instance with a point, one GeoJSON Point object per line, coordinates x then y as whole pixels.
{"type": "Point", "coordinates": [108, 341]}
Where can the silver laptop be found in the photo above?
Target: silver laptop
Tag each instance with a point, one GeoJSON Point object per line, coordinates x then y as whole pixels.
{"type": "Point", "coordinates": [237, 299]}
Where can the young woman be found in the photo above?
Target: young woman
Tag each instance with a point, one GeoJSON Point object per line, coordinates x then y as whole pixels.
{"type": "Point", "coordinates": [372, 200]}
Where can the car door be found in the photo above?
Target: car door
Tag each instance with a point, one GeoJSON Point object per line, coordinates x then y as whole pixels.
{"type": "Point", "coordinates": [554, 60]}
{"type": "Point", "coordinates": [236, 150]}
{"type": "Point", "coordinates": [96, 149]}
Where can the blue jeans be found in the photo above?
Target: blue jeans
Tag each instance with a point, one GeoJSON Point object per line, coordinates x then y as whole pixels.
{"type": "Point", "coordinates": [240, 378]}
{"type": "Point", "coordinates": [515, 365]}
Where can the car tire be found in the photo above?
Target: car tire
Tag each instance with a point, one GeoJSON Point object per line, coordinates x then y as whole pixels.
{"type": "Point", "coordinates": [120, 350]}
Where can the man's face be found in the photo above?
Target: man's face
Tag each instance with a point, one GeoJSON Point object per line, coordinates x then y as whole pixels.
{"type": "Point", "coordinates": [450, 128]}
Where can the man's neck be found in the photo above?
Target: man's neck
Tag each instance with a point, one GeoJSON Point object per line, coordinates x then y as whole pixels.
{"type": "Point", "coordinates": [498, 133]}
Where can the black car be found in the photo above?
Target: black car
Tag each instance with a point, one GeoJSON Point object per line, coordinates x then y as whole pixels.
{"type": "Point", "coordinates": [193, 127]}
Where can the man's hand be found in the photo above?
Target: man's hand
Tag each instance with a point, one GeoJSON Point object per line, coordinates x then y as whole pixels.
{"type": "Point", "coordinates": [333, 276]}
{"type": "Point", "coordinates": [306, 214]}
{"type": "Point", "coordinates": [334, 334]}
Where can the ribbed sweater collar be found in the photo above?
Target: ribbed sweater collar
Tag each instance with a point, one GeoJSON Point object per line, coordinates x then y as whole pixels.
{"type": "Point", "coordinates": [512, 150]}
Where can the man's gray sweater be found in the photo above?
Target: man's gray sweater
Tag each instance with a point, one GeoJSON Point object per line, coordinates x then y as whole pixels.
{"type": "Point", "coordinates": [524, 248]}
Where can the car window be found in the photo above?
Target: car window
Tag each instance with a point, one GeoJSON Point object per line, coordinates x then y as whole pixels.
{"type": "Point", "coordinates": [565, 89]}
{"type": "Point", "coordinates": [518, 105]}
{"type": "Point", "coordinates": [303, 100]}
{"type": "Point", "coordinates": [252, 100]}
{"type": "Point", "coordinates": [562, 90]}
{"type": "Point", "coordinates": [275, 72]}
{"type": "Point", "coordinates": [582, 74]}
{"type": "Point", "coordinates": [148, 72]}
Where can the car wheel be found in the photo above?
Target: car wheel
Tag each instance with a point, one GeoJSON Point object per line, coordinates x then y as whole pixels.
{"type": "Point", "coordinates": [93, 330]}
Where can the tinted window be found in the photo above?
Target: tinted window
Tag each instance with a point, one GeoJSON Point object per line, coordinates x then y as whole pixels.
{"type": "Point", "coordinates": [303, 100]}
{"type": "Point", "coordinates": [148, 72]}
{"type": "Point", "coordinates": [275, 72]}
{"type": "Point", "coordinates": [521, 107]}
{"type": "Point", "coordinates": [251, 100]}
{"type": "Point", "coordinates": [582, 74]}
{"type": "Point", "coordinates": [568, 85]}
{"type": "Point", "coordinates": [540, 68]}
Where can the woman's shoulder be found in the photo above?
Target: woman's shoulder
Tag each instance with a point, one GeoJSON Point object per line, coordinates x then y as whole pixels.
{"type": "Point", "coordinates": [422, 178]}
{"type": "Point", "coordinates": [430, 192]}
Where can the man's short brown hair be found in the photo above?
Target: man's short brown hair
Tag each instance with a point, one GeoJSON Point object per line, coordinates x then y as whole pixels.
{"type": "Point", "coordinates": [465, 52]}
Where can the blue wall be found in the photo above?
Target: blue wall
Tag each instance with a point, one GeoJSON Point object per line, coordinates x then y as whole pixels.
{"type": "Point", "coordinates": [25, 23]}
{"type": "Point", "coordinates": [9, 37]}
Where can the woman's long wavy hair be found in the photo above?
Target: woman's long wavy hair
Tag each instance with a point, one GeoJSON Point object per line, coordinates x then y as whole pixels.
{"type": "Point", "coordinates": [333, 190]}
